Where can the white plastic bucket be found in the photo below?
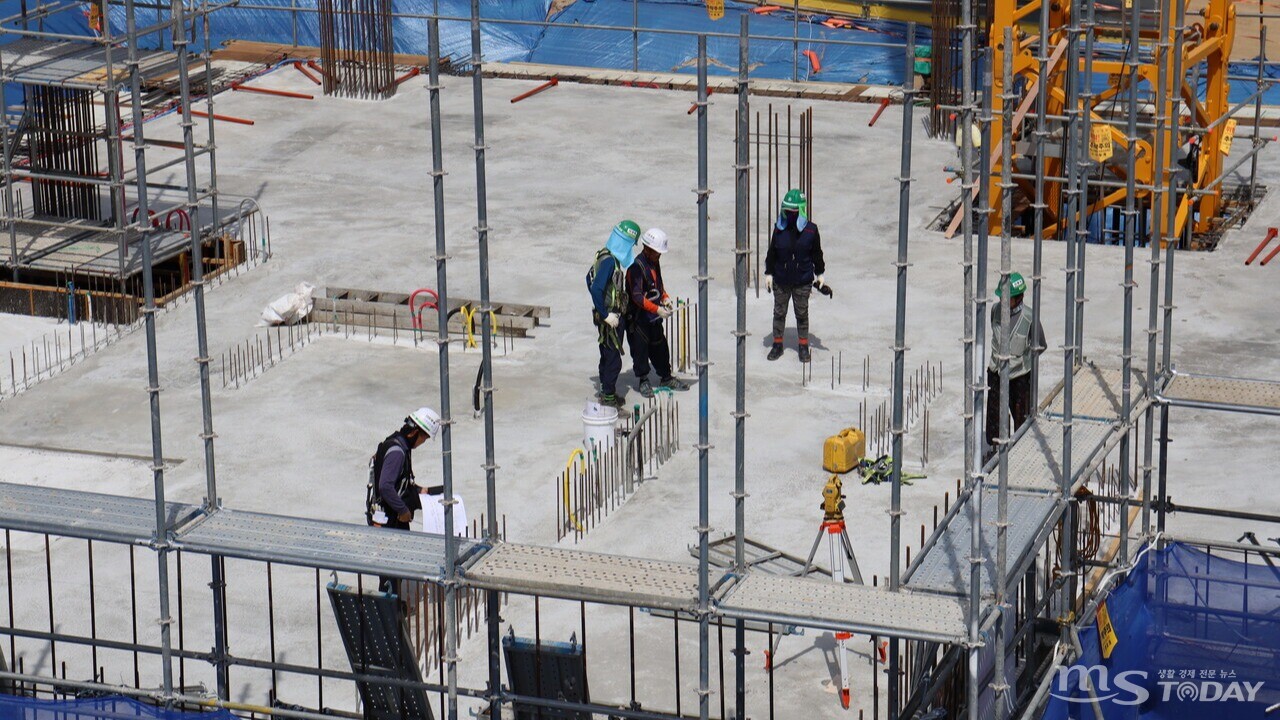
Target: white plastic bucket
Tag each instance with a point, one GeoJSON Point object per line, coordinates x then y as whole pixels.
{"type": "Point", "coordinates": [598, 422]}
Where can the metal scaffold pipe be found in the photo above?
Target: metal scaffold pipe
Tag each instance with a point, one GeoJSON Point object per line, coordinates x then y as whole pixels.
{"type": "Point", "coordinates": [1000, 685]}
{"type": "Point", "coordinates": [900, 351]}
{"type": "Point", "coordinates": [446, 419]}
{"type": "Point", "coordinates": [742, 252]}
{"type": "Point", "coordinates": [490, 531]}
{"type": "Point", "coordinates": [1038, 204]}
{"type": "Point", "coordinates": [1130, 229]}
{"type": "Point", "coordinates": [161, 540]}
{"type": "Point", "coordinates": [1158, 198]}
{"type": "Point", "coordinates": [704, 429]}
{"type": "Point", "coordinates": [1083, 166]}
{"type": "Point", "coordinates": [972, 445]}
{"type": "Point", "coordinates": [178, 9]}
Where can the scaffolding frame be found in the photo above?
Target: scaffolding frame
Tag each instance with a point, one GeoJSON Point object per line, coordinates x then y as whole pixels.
{"type": "Point", "coordinates": [727, 600]}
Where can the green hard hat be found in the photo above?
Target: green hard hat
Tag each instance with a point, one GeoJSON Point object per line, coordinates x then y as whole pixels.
{"type": "Point", "coordinates": [1017, 282]}
{"type": "Point", "coordinates": [794, 200]}
{"type": "Point", "coordinates": [628, 228]}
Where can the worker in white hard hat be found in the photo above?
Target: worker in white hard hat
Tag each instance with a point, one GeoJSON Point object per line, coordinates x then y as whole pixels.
{"type": "Point", "coordinates": [649, 307]}
{"type": "Point", "coordinates": [393, 495]}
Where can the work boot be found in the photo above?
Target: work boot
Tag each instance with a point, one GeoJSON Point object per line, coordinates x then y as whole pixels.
{"type": "Point", "coordinates": [673, 383]}
{"type": "Point", "coordinates": [776, 351]}
{"type": "Point", "coordinates": [610, 399]}
{"type": "Point", "coordinates": [645, 388]}
{"type": "Point", "coordinates": [804, 352]}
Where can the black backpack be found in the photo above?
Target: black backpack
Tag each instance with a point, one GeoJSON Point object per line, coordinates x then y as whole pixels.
{"type": "Point", "coordinates": [373, 500]}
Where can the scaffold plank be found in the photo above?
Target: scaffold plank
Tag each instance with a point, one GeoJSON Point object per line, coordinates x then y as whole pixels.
{"type": "Point", "coordinates": [1211, 392]}
{"type": "Point", "coordinates": [821, 603]}
{"type": "Point", "coordinates": [70, 63]}
{"type": "Point", "coordinates": [92, 516]}
{"type": "Point", "coordinates": [578, 575]}
{"type": "Point", "coordinates": [320, 544]}
{"type": "Point", "coordinates": [944, 566]}
{"type": "Point", "coordinates": [1035, 459]}
{"type": "Point", "coordinates": [1096, 392]}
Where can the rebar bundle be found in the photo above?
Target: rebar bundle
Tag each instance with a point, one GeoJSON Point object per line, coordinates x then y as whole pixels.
{"type": "Point", "coordinates": [63, 134]}
{"type": "Point", "coordinates": [357, 48]}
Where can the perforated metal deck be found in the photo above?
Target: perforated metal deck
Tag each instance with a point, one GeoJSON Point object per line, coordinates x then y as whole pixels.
{"type": "Point", "coordinates": [944, 567]}
{"type": "Point", "coordinates": [1035, 460]}
{"type": "Point", "coordinates": [577, 575]}
{"type": "Point", "coordinates": [1095, 393]}
{"type": "Point", "coordinates": [1223, 393]}
{"type": "Point", "coordinates": [320, 544]}
{"type": "Point", "coordinates": [93, 516]}
{"type": "Point", "coordinates": [821, 603]}
{"type": "Point", "coordinates": [68, 63]}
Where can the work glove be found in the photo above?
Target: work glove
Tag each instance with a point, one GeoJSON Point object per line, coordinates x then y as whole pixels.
{"type": "Point", "coordinates": [612, 320]}
{"type": "Point", "coordinates": [669, 304]}
{"type": "Point", "coordinates": [818, 282]}
{"type": "Point", "coordinates": [665, 311]}
{"type": "Point", "coordinates": [768, 283]}
{"type": "Point", "coordinates": [406, 516]}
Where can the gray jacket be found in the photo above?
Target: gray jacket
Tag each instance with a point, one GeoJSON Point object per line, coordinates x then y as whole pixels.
{"type": "Point", "coordinates": [1021, 341]}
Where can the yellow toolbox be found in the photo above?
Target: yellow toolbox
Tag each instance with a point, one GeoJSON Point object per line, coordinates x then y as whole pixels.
{"type": "Point", "coordinates": [842, 451]}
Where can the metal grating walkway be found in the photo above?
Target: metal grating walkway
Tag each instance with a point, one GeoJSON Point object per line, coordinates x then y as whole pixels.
{"type": "Point", "coordinates": [1095, 393]}
{"type": "Point", "coordinates": [1035, 460]}
{"type": "Point", "coordinates": [594, 577]}
{"type": "Point", "coordinates": [1212, 392]}
{"type": "Point", "coordinates": [320, 544]}
{"type": "Point", "coordinates": [74, 513]}
{"type": "Point", "coordinates": [818, 603]}
{"type": "Point", "coordinates": [75, 64]}
{"type": "Point", "coordinates": [944, 566]}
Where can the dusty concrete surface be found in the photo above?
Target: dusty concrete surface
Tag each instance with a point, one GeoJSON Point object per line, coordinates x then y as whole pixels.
{"type": "Point", "coordinates": [347, 188]}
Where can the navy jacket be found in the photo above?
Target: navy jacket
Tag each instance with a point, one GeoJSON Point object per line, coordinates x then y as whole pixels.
{"type": "Point", "coordinates": [795, 256]}
{"type": "Point", "coordinates": [646, 289]}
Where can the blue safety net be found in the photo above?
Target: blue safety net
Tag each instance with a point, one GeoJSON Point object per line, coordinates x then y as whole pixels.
{"type": "Point", "coordinates": [1197, 636]}
{"type": "Point", "coordinates": [113, 707]}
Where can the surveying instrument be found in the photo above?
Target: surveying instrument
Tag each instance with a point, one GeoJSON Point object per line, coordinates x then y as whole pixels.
{"type": "Point", "coordinates": [844, 568]}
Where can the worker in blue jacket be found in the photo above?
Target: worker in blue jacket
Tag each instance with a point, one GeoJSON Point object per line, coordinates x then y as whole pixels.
{"type": "Point", "coordinates": [607, 282]}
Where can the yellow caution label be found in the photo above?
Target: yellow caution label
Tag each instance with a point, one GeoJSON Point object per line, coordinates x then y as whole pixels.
{"type": "Point", "coordinates": [715, 9]}
{"type": "Point", "coordinates": [1228, 135]}
{"type": "Point", "coordinates": [1100, 147]}
{"type": "Point", "coordinates": [1106, 631]}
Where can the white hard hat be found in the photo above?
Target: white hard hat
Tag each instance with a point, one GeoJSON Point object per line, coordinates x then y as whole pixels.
{"type": "Point", "coordinates": [427, 419]}
{"type": "Point", "coordinates": [656, 239]}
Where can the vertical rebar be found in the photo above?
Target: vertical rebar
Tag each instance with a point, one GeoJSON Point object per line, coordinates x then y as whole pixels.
{"type": "Point", "coordinates": [704, 442]}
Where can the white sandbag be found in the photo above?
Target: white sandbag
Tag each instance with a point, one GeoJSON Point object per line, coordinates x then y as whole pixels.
{"type": "Point", "coordinates": [432, 515]}
{"type": "Point", "coordinates": [290, 309]}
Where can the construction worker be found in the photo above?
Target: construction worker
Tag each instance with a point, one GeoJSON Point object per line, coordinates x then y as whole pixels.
{"type": "Point", "coordinates": [607, 282]}
{"type": "Point", "coordinates": [650, 306]}
{"type": "Point", "coordinates": [1024, 341]}
{"type": "Point", "coordinates": [393, 495]}
{"type": "Point", "coordinates": [793, 267]}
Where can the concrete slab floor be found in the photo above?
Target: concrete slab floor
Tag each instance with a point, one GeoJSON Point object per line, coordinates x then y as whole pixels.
{"type": "Point", "coordinates": [347, 188]}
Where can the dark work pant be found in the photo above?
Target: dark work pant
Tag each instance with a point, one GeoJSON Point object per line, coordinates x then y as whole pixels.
{"type": "Point", "coordinates": [799, 295]}
{"type": "Point", "coordinates": [648, 343]}
{"type": "Point", "coordinates": [610, 359]}
{"type": "Point", "coordinates": [1019, 405]}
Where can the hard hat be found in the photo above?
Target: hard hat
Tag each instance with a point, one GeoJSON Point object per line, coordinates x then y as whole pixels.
{"type": "Point", "coordinates": [628, 228]}
{"type": "Point", "coordinates": [427, 419]}
{"type": "Point", "coordinates": [655, 238]}
{"type": "Point", "coordinates": [794, 200]}
{"type": "Point", "coordinates": [1015, 280]}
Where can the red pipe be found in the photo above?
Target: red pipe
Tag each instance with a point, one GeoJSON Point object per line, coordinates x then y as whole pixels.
{"type": "Point", "coordinates": [298, 66]}
{"type": "Point", "coordinates": [316, 66]}
{"type": "Point", "coordinates": [224, 118]}
{"type": "Point", "coordinates": [544, 86]}
{"type": "Point", "coordinates": [414, 314]}
{"type": "Point", "coordinates": [765, 9]}
{"type": "Point", "coordinates": [883, 104]}
{"type": "Point", "coordinates": [150, 214]}
{"type": "Point", "coordinates": [183, 218]}
{"type": "Point", "coordinates": [1275, 252]}
{"type": "Point", "coordinates": [268, 91]}
{"type": "Point", "coordinates": [1271, 233]}
{"type": "Point", "coordinates": [814, 63]}
{"type": "Point", "coordinates": [694, 106]}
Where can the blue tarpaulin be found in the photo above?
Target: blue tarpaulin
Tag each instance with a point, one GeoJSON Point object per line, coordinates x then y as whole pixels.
{"type": "Point", "coordinates": [1197, 636]}
{"type": "Point", "coordinates": [113, 707]}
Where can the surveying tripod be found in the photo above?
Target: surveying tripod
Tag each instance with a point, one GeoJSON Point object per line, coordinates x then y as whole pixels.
{"type": "Point", "coordinates": [840, 550]}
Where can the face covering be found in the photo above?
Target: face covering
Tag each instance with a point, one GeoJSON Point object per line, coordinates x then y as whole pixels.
{"type": "Point", "coordinates": [622, 248]}
{"type": "Point", "coordinates": [800, 220]}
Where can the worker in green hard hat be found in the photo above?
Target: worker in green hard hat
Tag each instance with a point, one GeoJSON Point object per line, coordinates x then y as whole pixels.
{"type": "Point", "coordinates": [1026, 340]}
{"type": "Point", "coordinates": [793, 267]}
{"type": "Point", "coordinates": [607, 283]}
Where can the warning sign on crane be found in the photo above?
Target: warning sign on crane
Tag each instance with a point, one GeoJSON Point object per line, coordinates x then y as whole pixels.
{"type": "Point", "coordinates": [1100, 147]}
{"type": "Point", "coordinates": [1228, 135]}
{"type": "Point", "coordinates": [715, 9]}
